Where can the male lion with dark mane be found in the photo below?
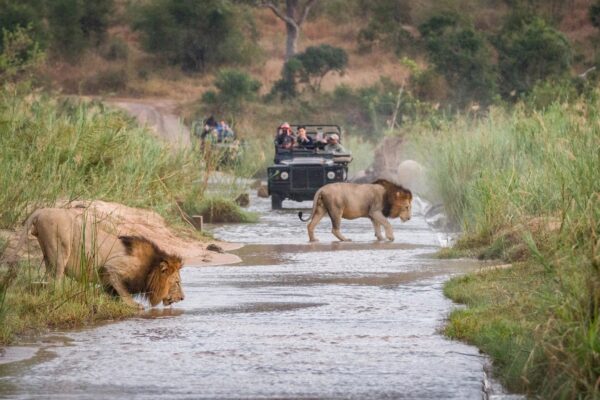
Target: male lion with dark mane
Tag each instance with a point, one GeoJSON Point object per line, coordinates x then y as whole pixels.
{"type": "Point", "coordinates": [76, 243]}
{"type": "Point", "coordinates": [375, 201]}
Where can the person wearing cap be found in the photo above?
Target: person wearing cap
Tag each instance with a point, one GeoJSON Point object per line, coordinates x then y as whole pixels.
{"type": "Point", "coordinates": [333, 145]}
{"type": "Point", "coordinates": [285, 139]}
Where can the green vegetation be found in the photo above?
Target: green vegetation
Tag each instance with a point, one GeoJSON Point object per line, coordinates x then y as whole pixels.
{"type": "Point", "coordinates": [196, 35]}
{"type": "Point", "coordinates": [234, 87]}
{"type": "Point", "coordinates": [62, 150]}
{"type": "Point", "coordinates": [218, 210]}
{"type": "Point", "coordinates": [524, 186]}
{"type": "Point", "coordinates": [530, 51]}
{"type": "Point", "coordinates": [461, 55]}
{"type": "Point", "coordinates": [30, 302]}
{"type": "Point", "coordinates": [309, 68]}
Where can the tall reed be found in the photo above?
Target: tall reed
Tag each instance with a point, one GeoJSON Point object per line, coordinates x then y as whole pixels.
{"type": "Point", "coordinates": [498, 176]}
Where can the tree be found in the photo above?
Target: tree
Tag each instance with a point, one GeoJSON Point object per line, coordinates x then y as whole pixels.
{"type": "Point", "coordinates": [530, 51]}
{"type": "Point", "coordinates": [310, 67]}
{"type": "Point", "coordinates": [318, 61]}
{"type": "Point", "coordinates": [462, 56]}
{"type": "Point", "coordinates": [294, 16]}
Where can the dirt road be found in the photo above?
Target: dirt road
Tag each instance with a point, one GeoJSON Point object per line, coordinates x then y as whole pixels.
{"type": "Point", "coordinates": [160, 116]}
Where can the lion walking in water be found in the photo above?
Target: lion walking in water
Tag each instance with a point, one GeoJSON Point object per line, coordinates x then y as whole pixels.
{"type": "Point", "coordinates": [377, 201]}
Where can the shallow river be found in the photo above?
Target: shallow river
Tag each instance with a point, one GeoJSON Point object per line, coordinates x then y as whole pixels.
{"type": "Point", "coordinates": [356, 320]}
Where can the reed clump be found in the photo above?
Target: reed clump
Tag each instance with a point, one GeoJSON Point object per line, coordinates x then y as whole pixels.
{"type": "Point", "coordinates": [524, 185]}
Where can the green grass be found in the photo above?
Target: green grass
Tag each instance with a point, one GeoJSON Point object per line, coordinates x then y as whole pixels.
{"type": "Point", "coordinates": [498, 177]}
{"type": "Point", "coordinates": [35, 303]}
{"type": "Point", "coordinates": [54, 149]}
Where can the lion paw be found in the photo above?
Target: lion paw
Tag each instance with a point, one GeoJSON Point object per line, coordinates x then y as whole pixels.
{"type": "Point", "coordinates": [391, 238]}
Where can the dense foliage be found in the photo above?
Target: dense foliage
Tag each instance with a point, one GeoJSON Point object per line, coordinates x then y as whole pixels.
{"type": "Point", "coordinates": [462, 56]}
{"type": "Point", "coordinates": [309, 68]}
{"type": "Point", "coordinates": [193, 34]}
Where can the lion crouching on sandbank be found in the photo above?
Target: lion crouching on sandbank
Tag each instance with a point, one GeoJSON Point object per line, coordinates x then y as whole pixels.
{"type": "Point", "coordinates": [77, 244]}
{"type": "Point", "coordinates": [375, 201]}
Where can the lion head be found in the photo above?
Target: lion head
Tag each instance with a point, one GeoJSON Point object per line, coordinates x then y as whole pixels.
{"type": "Point", "coordinates": [397, 201]}
{"type": "Point", "coordinates": [164, 281]}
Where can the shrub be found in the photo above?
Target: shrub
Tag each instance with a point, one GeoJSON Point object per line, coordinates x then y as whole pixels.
{"type": "Point", "coordinates": [461, 55]}
{"type": "Point", "coordinates": [20, 53]}
{"type": "Point", "coordinates": [234, 88]}
{"type": "Point", "coordinates": [194, 34]}
{"type": "Point", "coordinates": [530, 51]}
{"type": "Point", "coordinates": [385, 28]}
{"type": "Point", "coordinates": [21, 14]}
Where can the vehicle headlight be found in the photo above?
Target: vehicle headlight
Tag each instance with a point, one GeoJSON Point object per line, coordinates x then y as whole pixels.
{"type": "Point", "coordinates": [331, 175]}
{"type": "Point", "coordinates": [284, 175]}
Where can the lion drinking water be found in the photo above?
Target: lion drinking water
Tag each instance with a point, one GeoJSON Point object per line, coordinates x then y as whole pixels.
{"type": "Point", "coordinates": [77, 244]}
{"type": "Point", "coordinates": [375, 201]}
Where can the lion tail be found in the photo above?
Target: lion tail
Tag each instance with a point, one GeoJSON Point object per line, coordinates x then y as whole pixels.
{"type": "Point", "coordinates": [300, 216]}
{"type": "Point", "coordinates": [314, 207]}
{"type": "Point", "coordinates": [11, 255]}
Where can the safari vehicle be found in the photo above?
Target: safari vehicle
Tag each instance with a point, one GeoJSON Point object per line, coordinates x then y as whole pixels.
{"type": "Point", "coordinates": [298, 173]}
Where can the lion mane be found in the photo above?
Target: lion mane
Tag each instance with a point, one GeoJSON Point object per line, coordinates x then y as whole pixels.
{"type": "Point", "coordinates": [390, 194]}
{"type": "Point", "coordinates": [76, 243]}
{"type": "Point", "coordinates": [376, 201]}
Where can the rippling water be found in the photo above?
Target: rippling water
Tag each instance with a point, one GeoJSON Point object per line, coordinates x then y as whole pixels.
{"type": "Point", "coordinates": [335, 320]}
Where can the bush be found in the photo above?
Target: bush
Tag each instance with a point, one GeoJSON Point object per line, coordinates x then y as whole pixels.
{"type": "Point", "coordinates": [22, 14]}
{"type": "Point", "coordinates": [20, 53]}
{"type": "Point", "coordinates": [234, 88]}
{"type": "Point", "coordinates": [461, 55]}
{"type": "Point", "coordinates": [386, 26]}
{"type": "Point", "coordinates": [195, 34]}
{"type": "Point", "coordinates": [530, 51]}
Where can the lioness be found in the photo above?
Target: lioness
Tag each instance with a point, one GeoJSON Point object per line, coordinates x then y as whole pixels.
{"type": "Point", "coordinates": [375, 201]}
{"type": "Point", "coordinates": [75, 243]}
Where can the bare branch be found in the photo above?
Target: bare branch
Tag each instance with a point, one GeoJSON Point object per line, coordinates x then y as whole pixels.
{"type": "Point", "coordinates": [305, 11]}
{"type": "Point", "coordinates": [279, 14]}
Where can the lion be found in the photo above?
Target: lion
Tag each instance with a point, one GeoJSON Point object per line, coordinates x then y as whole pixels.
{"type": "Point", "coordinates": [75, 243]}
{"type": "Point", "coordinates": [375, 201]}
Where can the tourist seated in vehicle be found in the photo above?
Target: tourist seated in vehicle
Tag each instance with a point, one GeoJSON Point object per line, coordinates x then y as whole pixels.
{"type": "Point", "coordinates": [303, 141]}
{"type": "Point", "coordinates": [285, 138]}
{"type": "Point", "coordinates": [224, 132]}
{"type": "Point", "coordinates": [333, 145]}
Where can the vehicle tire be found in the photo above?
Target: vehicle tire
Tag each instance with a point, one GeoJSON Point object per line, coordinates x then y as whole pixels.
{"type": "Point", "coordinates": [276, 201]}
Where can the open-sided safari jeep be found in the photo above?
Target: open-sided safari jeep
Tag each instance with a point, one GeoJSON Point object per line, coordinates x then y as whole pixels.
{"type": "Point", "coordinates": [298, 173]}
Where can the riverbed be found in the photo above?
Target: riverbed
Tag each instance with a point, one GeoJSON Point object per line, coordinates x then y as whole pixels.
{"type": "Point", "coordinates": [294, 320]}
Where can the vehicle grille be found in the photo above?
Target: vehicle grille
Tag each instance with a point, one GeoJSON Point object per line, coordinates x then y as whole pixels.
{"type": "Point", "coordinates": [307, 177]}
